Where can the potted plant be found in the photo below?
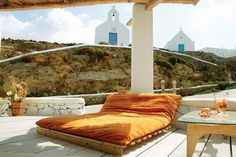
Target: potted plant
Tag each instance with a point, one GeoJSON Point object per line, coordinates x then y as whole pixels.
{"type": "Point", "coordinates": [16, 95]}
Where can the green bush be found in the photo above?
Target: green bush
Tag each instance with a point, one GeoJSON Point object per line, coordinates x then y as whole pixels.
{"type": "Point", "coordinates": [127, 56]}
{"type": "Point", "coordinates": [223, 85]}
{"type": "Point", "coordinates": [28, 47]}
{"type": "Point", "coordinates": [186, 83]}
{"type": "Point", "coordinates": [95, 53]}
{"type": "Point", "coordinates": [199, 82]}
{"type": "Point", "coordinates": [2, 92]}
{"type": "Point", "coordinates": [191, 65]}
{"type": "Point", "coordinates": [103, 43]}
{"type": "Point", "coordinates": [164, 63]}
{"type": "Point", "coordinates": [189, 92]}
{"type": "Point", "coordinates": [174, 60]}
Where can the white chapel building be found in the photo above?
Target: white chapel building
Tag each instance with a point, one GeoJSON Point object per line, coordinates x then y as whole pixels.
{"type": "Point", "coordinates": [112, 31]}
{"type": "Point", "coordinates": [181, 43]}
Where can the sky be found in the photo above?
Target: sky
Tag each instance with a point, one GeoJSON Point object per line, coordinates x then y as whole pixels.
{"type": "Point", "coordinates": [211, 23]}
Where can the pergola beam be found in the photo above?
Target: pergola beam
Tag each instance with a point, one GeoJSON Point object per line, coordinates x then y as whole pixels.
{"type": "Point", "coordinates": [150, 5]}
{"type": "Point", "coordinates": [195, 2]}
{"type": "Point", "coordinates": [14, 5]}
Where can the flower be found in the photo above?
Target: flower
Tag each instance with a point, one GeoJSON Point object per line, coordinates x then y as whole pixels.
{"type": "Point", "coordinates": [17, 92]}
{"type": "Point", "coordinates": [9, 93]}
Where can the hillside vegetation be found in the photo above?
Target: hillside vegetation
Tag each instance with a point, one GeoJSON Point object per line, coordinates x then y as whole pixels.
{"type": "Point", "coordinates": [96, 69]}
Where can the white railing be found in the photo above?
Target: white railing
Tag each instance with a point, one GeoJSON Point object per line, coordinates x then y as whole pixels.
{"type": "Point", "coordinates": [94, 45]}
{"type": "Point", "coordinates": [155, 91]}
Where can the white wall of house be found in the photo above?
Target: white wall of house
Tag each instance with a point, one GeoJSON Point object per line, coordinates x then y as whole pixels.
{"type": "Point", "coordinates": [221, 52]}
{"type": "Point", "coordinates": [112, 25]}
{"type": "Point", "coordinates": [180, 39]}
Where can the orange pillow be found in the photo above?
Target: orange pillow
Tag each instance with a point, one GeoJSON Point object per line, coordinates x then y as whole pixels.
{"type": "Point", "coordinates": [150, 104]}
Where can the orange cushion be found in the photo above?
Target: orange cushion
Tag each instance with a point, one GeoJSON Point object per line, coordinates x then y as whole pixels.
{"type": "Point", "coordinates": [150, 104]}
{"type": "Point", "coordinates": [135, 117]}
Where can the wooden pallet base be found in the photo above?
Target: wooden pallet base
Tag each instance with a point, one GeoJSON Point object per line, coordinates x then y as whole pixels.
{"type": "Point", "coordinates": [86, 142]}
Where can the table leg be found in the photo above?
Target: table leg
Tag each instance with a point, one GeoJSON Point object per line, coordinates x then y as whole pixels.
{"type": "Point", "coordinates": [193, 135]}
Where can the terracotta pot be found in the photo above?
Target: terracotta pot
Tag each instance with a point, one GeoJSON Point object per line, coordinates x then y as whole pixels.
{"type": "Point", "coordinates": [16, 108]}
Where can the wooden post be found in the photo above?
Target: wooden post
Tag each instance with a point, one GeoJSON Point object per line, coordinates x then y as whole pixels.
{"type": "Point", "coordinates": [174, 87]}
{"type": "Point", "coordinates": [163, 86]}
{"type": "Point", "coordinates": [142, 50]}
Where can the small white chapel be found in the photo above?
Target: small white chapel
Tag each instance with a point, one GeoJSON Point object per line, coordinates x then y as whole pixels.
{"type": "Point", "coordinates": [180, 42]}
{"type": "Point", "coordinates": [112, 31]}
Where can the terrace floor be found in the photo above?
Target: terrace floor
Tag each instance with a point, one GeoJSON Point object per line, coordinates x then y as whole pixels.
{"type": "Point", "coordinates": [18, 138]}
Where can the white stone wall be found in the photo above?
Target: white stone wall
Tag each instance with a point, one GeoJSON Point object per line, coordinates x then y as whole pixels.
{"type": "Point", "coordinates": [46, 107]}
{"type": "Point", "coordinates": [180, 38]}
{"type": "Point", "coordinates": [54, 106]}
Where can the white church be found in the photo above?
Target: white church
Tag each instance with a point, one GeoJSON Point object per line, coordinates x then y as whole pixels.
{"type": "Point", "coordinates": [181, 43]}
{"type": "Point", "coordinates": [112, 31]}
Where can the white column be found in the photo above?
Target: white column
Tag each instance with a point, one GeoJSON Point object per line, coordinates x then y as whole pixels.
{"type": "Point", "coordinates": [142, 50]}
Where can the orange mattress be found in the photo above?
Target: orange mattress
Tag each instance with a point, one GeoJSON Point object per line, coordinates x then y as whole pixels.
{"type": "Point", "coordinates": [122, 119]}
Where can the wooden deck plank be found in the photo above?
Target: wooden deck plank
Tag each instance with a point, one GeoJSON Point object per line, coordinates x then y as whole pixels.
{"type": "Point", "coordinates": [217, 146]}
{"type": "Point", "coordinates": [31, 155]}
{"type": "Point", "coordinates": [66, 150]}
{"type": "Point", "coordinates": [139, 148]}
{"type": "Point", "coordinates": [19, 136]}
{"type": "Point", "coordinates": [32, 146]}
{"type": "Point", "coordinates": [181, 150]}
{"type": "Point", "coordinates": [165, 147]}
{"type": "Point", "coordinates": [20, 119]}
{"type": "Point", "coordinates": [69, 149]}
{"type": "Point", "coordinates": [21, 140]}
{"type": "Point", "coordinates": [17, 127]}
{"type": "Point", "coordinates": [18, 133]}
{"type": "Point", "coordinates": [88, 153]}
{"type": "Point", "coordinates": [233, 140]}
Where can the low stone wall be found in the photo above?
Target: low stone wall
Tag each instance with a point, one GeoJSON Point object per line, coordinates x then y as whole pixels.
{"type": "Point", "coordinates": [4, 107]}
{"type": "Point", "coordinates": [47, 107]}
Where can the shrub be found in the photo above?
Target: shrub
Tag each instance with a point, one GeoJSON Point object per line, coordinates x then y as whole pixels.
{"type": "Point", "coordinates": [205, 90]}
{"type": "Point", "coordinates": [186, 83]}
{"type": "Point", "coordinates": [199, 82]}
{"type": "Point", "coordinates": [163, 63]}
{"type": "Point", "coordinates": [103, 43]}
{"type": "Point", "coordinates": [127, 56]}
{"type": "Point", "coordinates": [2, 92]}
{"type": "Point", "coordinates": [95, 54]}
{"type": "Point", "coordinates": [174, 60]}
{"type": "Point", "coordinates": [223, 85]}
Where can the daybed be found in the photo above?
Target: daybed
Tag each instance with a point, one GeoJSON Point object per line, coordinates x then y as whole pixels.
{"type": "Point", "coordinates": [124, 120]}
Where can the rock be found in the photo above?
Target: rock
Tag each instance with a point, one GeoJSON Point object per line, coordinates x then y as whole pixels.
{"type": "Point", "coordinates": [41, 59]}
{"type": "Point", "coordinates": [106, 75]}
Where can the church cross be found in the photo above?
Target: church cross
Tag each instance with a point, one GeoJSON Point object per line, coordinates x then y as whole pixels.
{"type": "Point", "coordinates": [180, 28]}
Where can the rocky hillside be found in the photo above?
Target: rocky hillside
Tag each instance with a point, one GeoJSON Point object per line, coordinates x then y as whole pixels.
{"type": "Point", "coordinates": [10, 47]}
{"type": "Point", "coordinates": [97, 69]}
{"type": "Point", "coordinates": [231, 65]}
